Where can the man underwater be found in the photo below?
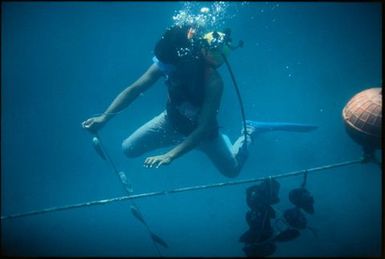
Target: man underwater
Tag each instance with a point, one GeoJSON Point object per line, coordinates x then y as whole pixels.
{"type": "Point", "coordinates": [188, 59]}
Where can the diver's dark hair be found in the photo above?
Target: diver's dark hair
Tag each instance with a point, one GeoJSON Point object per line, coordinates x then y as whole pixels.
{"type": "Point", "coordinates": [173, 45]}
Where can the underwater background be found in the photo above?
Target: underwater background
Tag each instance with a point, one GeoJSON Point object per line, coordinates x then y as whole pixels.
{"type": "Point", "coordinates": [62, 62]}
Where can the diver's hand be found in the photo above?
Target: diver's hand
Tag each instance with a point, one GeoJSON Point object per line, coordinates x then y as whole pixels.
{"type": "Point", "coordinates": [158, 160]}
{"type": "Point", "coordinates": [95, 123]}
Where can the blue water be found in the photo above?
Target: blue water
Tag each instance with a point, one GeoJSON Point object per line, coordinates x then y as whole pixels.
{"type": "Point", "coordinates": [62, 62]}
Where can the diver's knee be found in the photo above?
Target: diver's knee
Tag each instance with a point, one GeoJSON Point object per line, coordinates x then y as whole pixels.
{"type": "Point", "coordinates": [130, 150]}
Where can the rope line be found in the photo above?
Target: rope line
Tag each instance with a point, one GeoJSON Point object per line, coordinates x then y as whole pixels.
{"type": "Point", "coordinates": [128, 188]}
{"type": "Point", "coordinates": [182, 189]}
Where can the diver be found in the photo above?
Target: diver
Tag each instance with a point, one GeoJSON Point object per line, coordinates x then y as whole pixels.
{"type": "Point", "coordinates": [188, 59]}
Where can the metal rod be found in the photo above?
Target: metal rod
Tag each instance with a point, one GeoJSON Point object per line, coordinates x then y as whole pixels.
{"type": "Point", "coordinates": [182, 189]}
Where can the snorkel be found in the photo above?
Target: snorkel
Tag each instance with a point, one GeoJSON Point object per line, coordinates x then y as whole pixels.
{"type": "Point", "coordinates": [217, 43]}
{"type": "Point", "coordinates": [220, 47]}
{"type": "Point", "coordinates": [182, 43]}
{"type": "Point", "coordinates": [238, 95]}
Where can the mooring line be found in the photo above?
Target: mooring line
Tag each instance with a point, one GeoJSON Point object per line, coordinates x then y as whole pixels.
{"type": "Point", "coordinates": [182, 189]}
{"type": "Point", "coordinates": [99, 147]}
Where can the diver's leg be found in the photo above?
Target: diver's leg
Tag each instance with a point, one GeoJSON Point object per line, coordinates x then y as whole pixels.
{"type": "Point", "coordinates": [156, 133]}
{"type": "Point", "coordinates": [241, 146]}
{"type": "Point", "coordinates": [253, 128]}
{"type": "Point", "coordinates": [220, 152]}
{"type": "Point", "coordinates": [261, 127]}
{"type": "Point", "coordinates": [228, 158]}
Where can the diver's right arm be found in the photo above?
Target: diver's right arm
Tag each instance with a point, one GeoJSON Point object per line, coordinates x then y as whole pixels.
{"type": "Point", "coordinates": [125, 98]}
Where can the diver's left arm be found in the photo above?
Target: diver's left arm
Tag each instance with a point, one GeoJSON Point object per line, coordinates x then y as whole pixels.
{"type": "Point", "coordinates": [206, 123]}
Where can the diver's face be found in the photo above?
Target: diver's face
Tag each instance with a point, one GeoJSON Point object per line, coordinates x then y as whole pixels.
{"type": "Point", "coordinates": [213, 57]}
